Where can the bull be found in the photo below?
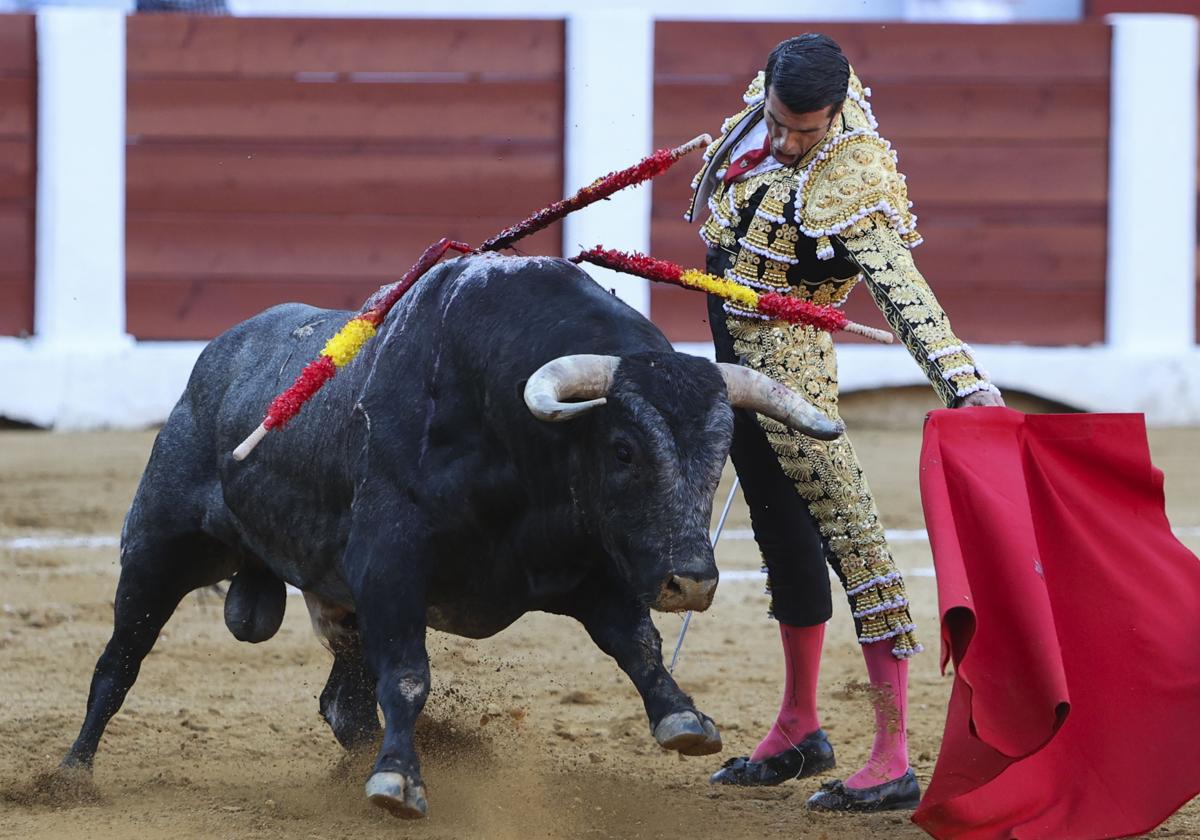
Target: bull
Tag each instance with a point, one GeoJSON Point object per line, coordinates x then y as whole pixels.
{"type": "Point", "coordinates": [514, 439]}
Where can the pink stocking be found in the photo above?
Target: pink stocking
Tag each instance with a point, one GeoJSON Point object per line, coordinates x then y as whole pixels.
{"type": "Point", "coordinates": [889, 695]}
{"type": "Point", "coordinates": [798, 711]}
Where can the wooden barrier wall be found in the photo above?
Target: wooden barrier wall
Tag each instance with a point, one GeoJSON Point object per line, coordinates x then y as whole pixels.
{"type": "Point", "coordinates": [1002, 131]}
{"type": "Point", "coordinates": [1100, 8]}
{"type": "Point", "coordinates": [272, 159]}
{"type": "Point", "coordinates": [18, 178]}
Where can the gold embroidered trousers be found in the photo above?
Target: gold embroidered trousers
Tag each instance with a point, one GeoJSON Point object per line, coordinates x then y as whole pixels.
{"type": "Point", "coordinates": [809, 500]}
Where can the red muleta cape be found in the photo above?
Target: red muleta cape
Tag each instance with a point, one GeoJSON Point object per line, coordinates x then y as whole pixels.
{"type": "Point", "coordinates": [1072, 616]}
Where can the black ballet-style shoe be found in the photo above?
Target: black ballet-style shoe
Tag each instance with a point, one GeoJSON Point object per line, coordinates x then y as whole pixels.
{"type": "Point", "coordinates": [900, 794]}
{"type": "Point", "coordinates": [811, 756]}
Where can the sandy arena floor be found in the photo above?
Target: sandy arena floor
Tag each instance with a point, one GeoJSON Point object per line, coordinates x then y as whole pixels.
{"type": "Point", "coordinates": [533, 733]}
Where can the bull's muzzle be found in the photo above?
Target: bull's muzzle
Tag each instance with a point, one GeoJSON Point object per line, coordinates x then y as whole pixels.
{"type": "Point", "coordinates": [679, 593]}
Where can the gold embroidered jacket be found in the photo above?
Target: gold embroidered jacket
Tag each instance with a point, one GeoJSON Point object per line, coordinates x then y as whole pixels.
{"type": "Point", "coordinates": [814, 229]}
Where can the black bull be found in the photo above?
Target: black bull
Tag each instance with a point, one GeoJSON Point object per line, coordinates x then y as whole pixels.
{"type": "Point", "coordinates": [428, 485]}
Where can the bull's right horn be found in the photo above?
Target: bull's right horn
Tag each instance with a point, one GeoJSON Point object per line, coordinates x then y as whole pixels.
{"type": "Point", "coordinates": [759, 392]}
{"type": "Point", "coordinates": [582, 375]}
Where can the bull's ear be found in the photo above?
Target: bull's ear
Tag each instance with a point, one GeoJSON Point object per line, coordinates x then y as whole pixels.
{"type": "Point", "coordinates": [758, 392]}
{"type": "Point", "coordinates": [583, 377]}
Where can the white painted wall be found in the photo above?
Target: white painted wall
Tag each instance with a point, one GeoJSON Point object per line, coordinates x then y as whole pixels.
{"type": "Point", "coordinates": [609, 125]}
{"type": "Point", "coordinates": [993, 11]}
{"type": "Point", "coordinates": [79, 301]}
{"type": "Point", "coordinates": [82, 371]}
{"type": "Point", "coordinates": [1152, 184]}
{"type": "Point", "coordinates": [1163, 386]}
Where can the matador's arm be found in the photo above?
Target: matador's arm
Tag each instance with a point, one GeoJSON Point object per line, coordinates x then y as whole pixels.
{"type": "Point", "coordinates": [913, 312]}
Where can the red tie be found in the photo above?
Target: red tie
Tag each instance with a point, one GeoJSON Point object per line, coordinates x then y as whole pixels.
{"type": "Point", "coordinates": [747, 161]}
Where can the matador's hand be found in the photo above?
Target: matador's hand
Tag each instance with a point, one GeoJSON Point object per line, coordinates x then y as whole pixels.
{"type": "Point", "coordinates": [981, 398]}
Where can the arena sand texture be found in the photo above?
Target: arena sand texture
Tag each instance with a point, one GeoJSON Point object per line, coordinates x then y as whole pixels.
{"type": "Point", "coordinates": [533, 733]}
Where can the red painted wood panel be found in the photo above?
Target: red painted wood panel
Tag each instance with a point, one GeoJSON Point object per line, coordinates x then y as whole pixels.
{"type": "Point", "coordinates": [1099, 8]}
{"type": "Point", "coordinates": [204, 306]}
{"type": "Point", "coordinates": [18, 45]}
{"type": "Point", "coordinates": [16, 238]}
{"type": "Point", "coordinates": [16, 304]}
{"type": "Point", "coordinates": [18, 106]}
{"type": "Point", "coordinates": [196, 47]}
{"type": "Point", "coordinates": [1001, 130]}
{"type": "Point", "coordinates": [979, 175]}
{"type": "Point", "coordinates": [17, 184]}
{"type": "Point", "coordinates": [1055, 113]}
{"type": "Point", "coordinates": [292, 247]}
{"type": "Point", "coordinates": [189, 282]}
{"type": "Point", "coordinates": [16, 270]}
{"type": "Point", "coordinates": [18, 190]}
{"type": "Point", "coordinates": [329, 178]}
{"type": "Point", "coordinates": [897, 52]}
{"type": "Point", "coordinates": [275, 159]}
{"type": "Point", "coordinates": [204, 109]}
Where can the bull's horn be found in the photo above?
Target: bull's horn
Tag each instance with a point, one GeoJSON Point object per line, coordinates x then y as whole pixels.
{"type": "Point", "coordinates": [758, 392]}
{"type": "Point", "coordinates": [581, 376]}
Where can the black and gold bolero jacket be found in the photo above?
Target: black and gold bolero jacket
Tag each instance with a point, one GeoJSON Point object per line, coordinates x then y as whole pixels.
{"type": "Point", "coordinates": [814, 229]}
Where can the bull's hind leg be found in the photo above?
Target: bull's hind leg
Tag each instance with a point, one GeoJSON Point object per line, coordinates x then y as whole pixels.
{"type": "Point", "coordinates": [154, 579]}
{"type": "Point", "coordinates": [348, 701]}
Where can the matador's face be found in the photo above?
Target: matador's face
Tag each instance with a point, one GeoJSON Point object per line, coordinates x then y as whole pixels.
{"type": "Point", "coordinates": [793, 134]}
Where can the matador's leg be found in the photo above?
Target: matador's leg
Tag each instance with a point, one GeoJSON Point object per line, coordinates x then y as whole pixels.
{"type": "Point", "coordinates": [827, 475]}
{"type": "Point", "coordinates": [793, 554]}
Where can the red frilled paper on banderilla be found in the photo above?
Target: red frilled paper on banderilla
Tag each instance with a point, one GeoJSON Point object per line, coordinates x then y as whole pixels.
{"type": "Point", "coordinates": [1072, 616]}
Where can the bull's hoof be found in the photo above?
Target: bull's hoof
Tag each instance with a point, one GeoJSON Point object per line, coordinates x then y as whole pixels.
{"type": "Point", "coordinates": [689, 733]}
{"type": "Point", "coordinates": [68, 784]}
{"type": "Point", "coordinates": [398, 795]}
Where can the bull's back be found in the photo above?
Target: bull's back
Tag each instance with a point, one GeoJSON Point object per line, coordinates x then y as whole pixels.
{"type": "Point", "coordinates": [277, 504]}
{"type": "Point", "coordinates": [244, 368]}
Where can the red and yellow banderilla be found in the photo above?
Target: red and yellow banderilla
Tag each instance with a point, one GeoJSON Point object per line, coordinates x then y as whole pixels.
{"type": "Point", "coordinates": [345, 345]}
{"type": "Point", "coordinates": [770, 304]}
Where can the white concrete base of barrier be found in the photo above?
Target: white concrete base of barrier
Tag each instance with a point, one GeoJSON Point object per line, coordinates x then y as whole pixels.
{"type": "Point", "coordinates": [136, 384]}
{"type": "Point", "coordinates": [128, 386]}
{"type": "Point", "coordinates": [1163, 386]}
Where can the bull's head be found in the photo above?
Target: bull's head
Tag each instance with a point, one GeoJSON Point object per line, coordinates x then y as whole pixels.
{"type": "Point", "coordinates": [647, 468]}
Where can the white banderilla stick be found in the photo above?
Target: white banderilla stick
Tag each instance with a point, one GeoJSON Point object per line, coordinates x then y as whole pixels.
{"type": "Point", "coordinates": [687, 619]}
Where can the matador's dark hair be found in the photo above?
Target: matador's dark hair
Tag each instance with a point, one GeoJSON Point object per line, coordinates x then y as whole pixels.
{"type": "Point", "coordinates": [808, 73]}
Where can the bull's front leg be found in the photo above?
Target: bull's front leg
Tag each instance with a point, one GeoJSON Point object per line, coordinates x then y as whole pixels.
{"type": "Point", "coordinates": [622, 628]}
{"type": "Point", "coordinates": [389, 582]}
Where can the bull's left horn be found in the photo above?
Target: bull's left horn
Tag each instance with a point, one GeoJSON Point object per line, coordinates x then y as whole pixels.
{"type": "Point", "coordinates": [758, 392]}
{"type": "Point", "coordinates": [583, 376]}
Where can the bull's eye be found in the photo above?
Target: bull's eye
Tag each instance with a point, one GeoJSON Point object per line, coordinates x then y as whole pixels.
{"type": "Point", "coordinates": [623, 451]}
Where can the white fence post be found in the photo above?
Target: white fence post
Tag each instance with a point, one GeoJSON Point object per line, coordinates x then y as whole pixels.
{"type": "Point", "coordinates": [80, 279]}
{"type": "Point", "coordinates": [1152, 184]}
{"type": "Point", "coordinates": [609, 125]}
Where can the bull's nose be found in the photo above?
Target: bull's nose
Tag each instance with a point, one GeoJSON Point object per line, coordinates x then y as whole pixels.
{"type": "Point", "coordinates": [685, 593]}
